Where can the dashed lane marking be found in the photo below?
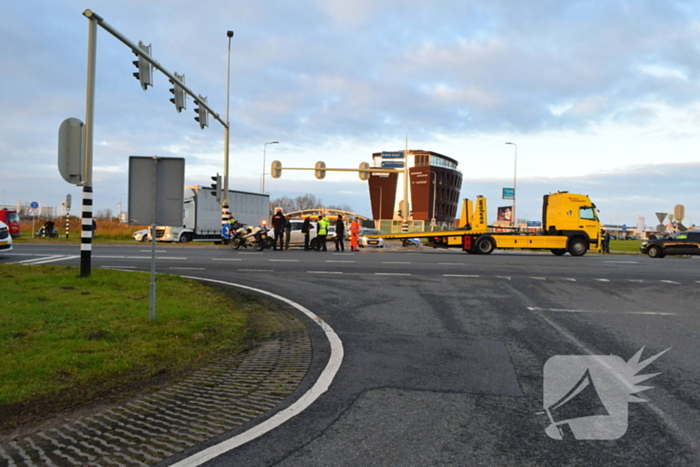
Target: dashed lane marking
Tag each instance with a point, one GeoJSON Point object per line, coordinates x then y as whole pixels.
{"type": "Point", "coordinates": [602, 280]}
{"type": "Point", "coordinates": [570, 279]}
{"type": "Point", "coordinates": [461, 275]}
{"type": "Point", "coordinates": [256, 270]}
{"type": "Point", "coordinates": [284, 260]}
{"type": "Point", "coordinates": [192, 269]}
{"type": "Point", "coordinates": [396, 262]}
{"type": "Point", "coordinates": [227, 259]}
{"type": "Point", "coordinates": [503, 277]}
{"type": "Point", "coordinates": [339, 261]}
{"type": "Point", "coordinates": [391, 274]}
{"type": "Point", "coordinates": [324, 272]}
{"type": "Point", "coordinates": [538, 278]}
{"type": "Point", "coordinates": [671, 282]}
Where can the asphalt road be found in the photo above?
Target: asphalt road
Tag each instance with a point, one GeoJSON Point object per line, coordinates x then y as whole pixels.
{"type": "Point", "coordinates": [444, 352]}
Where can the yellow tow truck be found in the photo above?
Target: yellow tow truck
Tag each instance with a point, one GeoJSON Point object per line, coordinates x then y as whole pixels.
{"type": "Point", "coordinates": [570, 224]}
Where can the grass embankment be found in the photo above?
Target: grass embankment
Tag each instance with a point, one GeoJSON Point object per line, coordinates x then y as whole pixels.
{"type": "Point", "coordinates": [107, 229]}
{"type": "Point", "coordinates": [625, 245]}
{"type": "Point", "coordinates": [67, 341]}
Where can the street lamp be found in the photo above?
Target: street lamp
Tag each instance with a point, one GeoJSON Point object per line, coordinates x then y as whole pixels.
{"type": "Point", "coordinates": [515, 168]}
{"type": "Point", "coordinates": [224, 204]}
{"type": "Point", "coordinates": [434, 216]}
{"type": "Point", "coordinates": [263, 172]}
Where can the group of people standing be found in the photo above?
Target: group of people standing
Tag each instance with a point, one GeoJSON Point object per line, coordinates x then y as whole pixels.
{"type": "Point", "coordinates": [281, 225]}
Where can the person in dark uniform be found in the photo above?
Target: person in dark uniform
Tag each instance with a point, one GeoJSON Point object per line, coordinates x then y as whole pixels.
{"type": "Point", "coordinates": [306, 228]}
{"type": "Point", "coordinates": [278, 224]}
{"type": "Point", "coordinates": [340, 234]}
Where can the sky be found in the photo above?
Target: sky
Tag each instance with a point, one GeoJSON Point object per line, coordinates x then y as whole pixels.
{"type": "Point", "coordinates": [600, 97]}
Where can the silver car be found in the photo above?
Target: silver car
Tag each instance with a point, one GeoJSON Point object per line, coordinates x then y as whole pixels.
{"type": "Point", "coordinates": [365, 241]}
{"type": "Point", "coordinates": [141, 235]}
{"type": "Point", "coordinates": [5, 238]}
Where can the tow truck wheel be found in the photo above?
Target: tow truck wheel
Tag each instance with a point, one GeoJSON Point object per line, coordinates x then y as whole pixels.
{"type": "Point", "coordinates": [559, 251]}
{"type": "Point", "coordinates": [485, 245]}
{"type": "Point", "coordinates": [577, 247]}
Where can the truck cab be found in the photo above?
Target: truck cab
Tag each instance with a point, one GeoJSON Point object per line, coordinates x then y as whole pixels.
{"type": "Point", "coordinates": [571, 215]}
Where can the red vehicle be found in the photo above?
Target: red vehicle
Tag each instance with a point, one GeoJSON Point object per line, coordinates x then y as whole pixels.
{"type": "Point", "coordinates": [12, 220]}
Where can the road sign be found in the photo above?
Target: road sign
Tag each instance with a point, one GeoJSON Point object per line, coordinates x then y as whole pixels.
{"type": "Point", "coordinates": [32, 212]}
{"type": "Point", "coordinates": [508, 193]}
{"type": "Point", "coordinates": [34, 205]}
{"type": "Point", "coordinates": [661, 216]}
{"type": "Point", "coordinates": [624, 228]}
{"type": "Point", "coordinates": [392, 165]}
{"type": "Point", "coordinates": [392, 155]}
{"type": "Point", "coordinates": [432, 221]}
{"type": "Point", "coordinates": [534, 224]}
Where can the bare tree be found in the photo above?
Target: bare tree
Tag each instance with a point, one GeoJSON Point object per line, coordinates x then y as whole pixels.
{"type": "Point", "coordinates": [308, 201]}
{"type": "Point", "coordinates": [104, 214]}
{"type": "Point", "coordinates": [285, 202]}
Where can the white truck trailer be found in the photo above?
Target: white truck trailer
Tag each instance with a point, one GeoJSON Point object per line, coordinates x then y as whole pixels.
{"type": "Point", "coordinates": [201, 215]}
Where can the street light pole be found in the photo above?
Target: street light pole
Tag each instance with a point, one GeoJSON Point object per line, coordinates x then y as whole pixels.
{"type": "Point", "coordinates": [515, 169]}
{"type": "Point", "coordinates": [225, 213]}
{"type": "Point", "coordinates": [263, 172]}
{"type": "Point", "coordinates": [434, 216]}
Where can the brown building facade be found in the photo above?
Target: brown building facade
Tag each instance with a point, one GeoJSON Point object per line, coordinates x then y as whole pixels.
{"type": "Point", "coordinates": [433, 189]}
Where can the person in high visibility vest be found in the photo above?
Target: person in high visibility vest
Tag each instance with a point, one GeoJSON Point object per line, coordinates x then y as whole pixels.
{"type": "Point", "coordinates": [323, 224]}
{"type": "Point", "coordinates": [354, 235]}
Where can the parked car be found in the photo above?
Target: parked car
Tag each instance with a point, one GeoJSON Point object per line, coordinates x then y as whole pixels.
{"type": "Point", "coordinates": [365, 241]}
{"type": "Point", "coordinates": [681, 243]}
{"type": "Point", "coordinates": [141, 235]}
{"type": "Point", "coordinates": [5, 238]}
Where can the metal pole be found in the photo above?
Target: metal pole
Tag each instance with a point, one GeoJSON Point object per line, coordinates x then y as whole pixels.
{"type": "Point", "coordinates": [225, 212]}
{"type": "Point", "coordinates": [434, 216]}
{"type": "Point", "coordinates": [515, 171]}
{"type": "Point", "coordinates": [152, 288]}
{"type": "Point", "coordinates": [87, 221]}
{"type": "Point", "coordinates": [263, 172]}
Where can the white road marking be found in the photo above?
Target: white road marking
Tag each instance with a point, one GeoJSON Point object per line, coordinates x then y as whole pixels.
{"type": "Point", "coordinates": [257, 270]}
{"type": "Point", "coordinates": [227, 259]}
{"type": "Point", "coordinates": [538, 278]}
{"type": "Point", "coordinates": [320, 386]}
{"type": "Point", "coordinates": [49, 259]}
{"type": "Point", "coordinates": [602, 280]}
{"type": "Point", "coordinates": [109, 256]}
{"type": "Point", "coordinates": [396, 262]}
{"type": "Point", "coordinates": [622, 262]}
{"type": "Point", "coordinates": [504, 277]}
{"type": "Point", "coordinates": [670, 282]}
{"type": "Point", "coordinates": [391, 274]}
{"type": "Point", "coordinates": [118, 267]}
{"type": "Point", "coordinates": [570, 279]}
{"type": "Point", "coordinates": [460, 275]}
{"type": "Point", "coordinates": [250, 253]}
{"type": "Point", "coordinates": [460, 264]}
{"type": "Point", "coordinates": [157, 251]}
{"type": "Point", "coordinates": [194, 269]}
{"type": "Point", "coordinates": [284, 260]}
{"type": "Point", "coordinates": [562, 310]}
{"type": "Point", "coordinates": [339, 261]}
{"type": "Point", "coordinates": [181, 258]}
{"type": "Point", "coordinates": [324, 272]}
{"type": "Point", "coordinates": [635, 280]}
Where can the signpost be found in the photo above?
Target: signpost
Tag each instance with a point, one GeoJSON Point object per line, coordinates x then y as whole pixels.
{"type": "Point", "coordinates": [509, 193]}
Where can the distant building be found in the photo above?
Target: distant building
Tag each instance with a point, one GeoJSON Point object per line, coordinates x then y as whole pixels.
{"type": "Point", "coordinates": [433, 190]}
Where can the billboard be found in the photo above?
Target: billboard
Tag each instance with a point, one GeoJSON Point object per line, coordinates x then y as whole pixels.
{"type": "Point", "coordinates": [505, 213]}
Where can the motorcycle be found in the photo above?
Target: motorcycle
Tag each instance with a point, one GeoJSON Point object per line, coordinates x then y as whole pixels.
{"type": "Point", "coordinates": [249, 236]}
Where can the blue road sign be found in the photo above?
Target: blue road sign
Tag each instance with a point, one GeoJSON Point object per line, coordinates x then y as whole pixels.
{"type": "Point", "coordinates": [225, 231]}
{"type": "Point", "coordinates": [34, 205]}
{"type": "Point", "coordinates": [392, 155]}
{"type": "Point", "coordinates": [392, 165]}
{"type": "Point", "coordinates": [508, 193]}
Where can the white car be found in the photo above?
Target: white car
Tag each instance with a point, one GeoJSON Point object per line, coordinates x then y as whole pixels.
{"type": "Point", "coordinates": [141, 235]}
{"type": "Point", "coordinates": [364, 241]}
{"type": "Point", "coordinates": [5, 238]}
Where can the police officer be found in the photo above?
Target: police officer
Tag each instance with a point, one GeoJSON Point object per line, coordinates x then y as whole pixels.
{"type": "Point", "coordinates": [323, 224]}
{"type": "Point", "coordinates": [278, 224]}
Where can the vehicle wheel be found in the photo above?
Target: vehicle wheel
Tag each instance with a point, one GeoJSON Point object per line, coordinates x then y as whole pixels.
{"type": "Point", "coordinates": [315, 244]}
{"type": "Point", "coordinates": [269, 242]}
{"type": "Point", "coordinates": [484, 245]}
{"type": "Point", "coordinates": [235, 243]}
{"type": "Point", "coordinates": [559, 251]}
{"type": "Point", "coordinates": [258, 245]}
{"type": "Point", "coordinates": [577, 247]}
{"type": "Point", "coordinates": [655, 252]}
{"type": "Point", "coordinates": [184, 238]}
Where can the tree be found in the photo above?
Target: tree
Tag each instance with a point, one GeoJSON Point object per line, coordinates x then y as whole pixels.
{"type": "Point", "coordinates": [104, 214]}
{"type": "Point", "coordinates": [308, 201]}
{"type": "Point", "coordinates": [285, 202]}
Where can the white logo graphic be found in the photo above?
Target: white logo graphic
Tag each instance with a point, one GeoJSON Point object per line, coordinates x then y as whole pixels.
{"type": "Point", "coordinates": [586, 396]}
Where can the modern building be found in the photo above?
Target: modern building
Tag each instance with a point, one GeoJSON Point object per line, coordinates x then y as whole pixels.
{"type": "Point", "coordinates": [432, 190]}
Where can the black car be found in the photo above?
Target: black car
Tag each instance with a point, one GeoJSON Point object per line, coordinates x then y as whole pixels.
{"type": "Point", "coordinates": [681, 243]}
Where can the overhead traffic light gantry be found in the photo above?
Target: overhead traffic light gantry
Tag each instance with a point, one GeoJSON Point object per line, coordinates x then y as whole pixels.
{"type": "Point", "coordinates": [179, 95]}
{"type": "Point", "coordinates": [201, 111]}
{"type": "Point", "coordinates": [144, 75]}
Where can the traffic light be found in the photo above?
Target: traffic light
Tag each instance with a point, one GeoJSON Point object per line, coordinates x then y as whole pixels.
{"type": "Point", "coordinates": [364, 176]}
{"type": "Point", "coordinates": [201, 112]}
{"type": "Point", "coordinates": [319, 172]}
{"type": "Point", "coordinates": [178, 93]}
{"type": "Point", "coordinates": [276, 169]}
{"type": "Point", "coordinates": [217, 187]}
{"type": "Point", "coordinates": [144, 67]}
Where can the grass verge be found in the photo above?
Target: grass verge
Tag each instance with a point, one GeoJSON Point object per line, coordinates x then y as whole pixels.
{"type": "Point", "coordinates": [68, 341]}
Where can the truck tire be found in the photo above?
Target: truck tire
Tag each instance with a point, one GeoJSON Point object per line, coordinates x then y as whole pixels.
{"type": "Point", "coordinates": [577, 246]}
{"type": "Point", "coordinates": [184, 238]}
{"type": "Point", "coordinates": [655, 252]}
{"type": "Point", "coordinates": [484, 245]}
{"type": "Point", "coordinates": [235, 243]}
{"type": "Point", "coordinates": [559, 251]}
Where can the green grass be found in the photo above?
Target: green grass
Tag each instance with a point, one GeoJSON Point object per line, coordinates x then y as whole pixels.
{"type": "Point", "coordinates": [67, 340]}
{"type": "Point", "coordinates": [625, 245]}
